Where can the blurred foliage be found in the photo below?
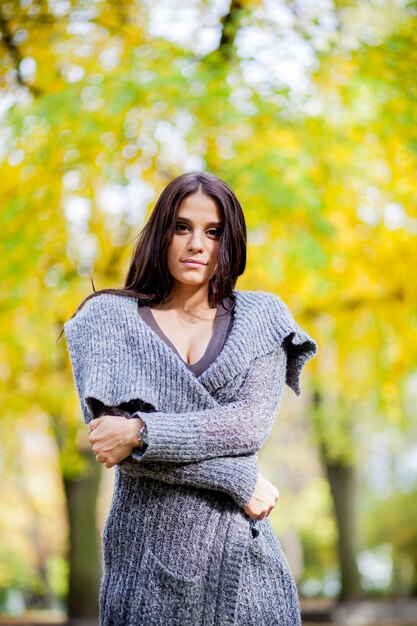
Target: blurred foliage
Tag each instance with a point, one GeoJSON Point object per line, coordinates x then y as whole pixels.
{"type": "Point", "coordinates": [99, 112]}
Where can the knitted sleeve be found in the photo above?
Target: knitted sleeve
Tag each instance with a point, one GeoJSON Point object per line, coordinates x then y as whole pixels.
{"type": "Point", "coordinates": [235, 429]}
{"type": "Point", "coordinates": [235, 476]}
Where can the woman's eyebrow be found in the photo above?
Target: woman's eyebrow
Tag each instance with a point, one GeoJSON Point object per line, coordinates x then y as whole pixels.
{"type": "Point", "coordinates": [185, 219]}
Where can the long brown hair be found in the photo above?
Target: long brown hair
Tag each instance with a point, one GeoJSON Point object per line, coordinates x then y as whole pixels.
{"type": "Point", "coordinates": [148, 279]}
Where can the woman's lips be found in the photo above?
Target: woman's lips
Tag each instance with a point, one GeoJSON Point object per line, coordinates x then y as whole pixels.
{"type": "Point", "coordinates": [194, 263]}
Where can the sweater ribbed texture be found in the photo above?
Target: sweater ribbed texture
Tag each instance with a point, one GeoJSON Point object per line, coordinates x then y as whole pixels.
{"type": "Point", "coordinates": [177, 546]}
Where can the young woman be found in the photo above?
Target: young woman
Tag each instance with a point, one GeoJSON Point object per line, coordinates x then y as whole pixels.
{"type": "Point", "coordinates": [180, 377]}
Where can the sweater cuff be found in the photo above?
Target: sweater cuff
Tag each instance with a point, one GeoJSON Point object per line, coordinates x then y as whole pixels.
{"type": "Point", "coordinates": [170, 438]}
{"type": "Point", "coordinates": [246, 482]}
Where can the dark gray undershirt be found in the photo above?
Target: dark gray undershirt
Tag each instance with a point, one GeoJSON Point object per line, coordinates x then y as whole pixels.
{"type": "Point", "coordinates": [222, 326]}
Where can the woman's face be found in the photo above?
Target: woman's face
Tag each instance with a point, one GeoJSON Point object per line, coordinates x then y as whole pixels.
{"type": "Point", "coordinates": [197, 233]}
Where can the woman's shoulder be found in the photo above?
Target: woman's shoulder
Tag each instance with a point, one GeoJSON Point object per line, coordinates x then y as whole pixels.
{"type": "Point", "coordinates": [266, 300]}
{"type": "Point", "coordinates": [270, 320]}
{"type": "Point", "coordinates": [267, 310]}
{"type": "Point", "coordinates": [102, 306]}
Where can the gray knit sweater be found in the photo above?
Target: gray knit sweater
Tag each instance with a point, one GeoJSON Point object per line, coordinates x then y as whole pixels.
{"type": "Point", "coordinates": [177, 546]}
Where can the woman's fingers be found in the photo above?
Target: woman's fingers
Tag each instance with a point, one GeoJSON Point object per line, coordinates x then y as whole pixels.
{"type": "Point", "coordinates": [263, 499]}
{"type": "Point", "coordinates": [94, 423]}
{"type": "Point", "coordinates": [111, 439]}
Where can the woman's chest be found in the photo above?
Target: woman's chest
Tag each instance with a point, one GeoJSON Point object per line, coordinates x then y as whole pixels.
{"type": "Point", "coordinates": [189, 339]}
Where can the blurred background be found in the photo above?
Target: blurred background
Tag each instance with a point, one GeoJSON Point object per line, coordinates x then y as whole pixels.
{"type": "Point", "coordinates": [307, 108]}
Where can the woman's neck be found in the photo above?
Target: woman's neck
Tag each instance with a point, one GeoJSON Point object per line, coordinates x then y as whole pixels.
{"type": "Point", "coordinates": [185, 300]}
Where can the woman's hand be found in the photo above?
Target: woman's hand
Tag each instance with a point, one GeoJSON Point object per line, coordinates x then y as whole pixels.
{"type": "Point", "coordinates": [113, 438]}
{"type": "Point", "coordinates": [263, 500]}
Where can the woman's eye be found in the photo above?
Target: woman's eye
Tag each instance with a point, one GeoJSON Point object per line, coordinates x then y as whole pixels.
{"type": "Point", "coordinates": [180, 226]}
{"type": "Point", "coordinates": [212, 232]}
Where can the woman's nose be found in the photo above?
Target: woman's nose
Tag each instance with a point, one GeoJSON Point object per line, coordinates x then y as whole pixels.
{"type": "Point", "coordinates": [195, 242]}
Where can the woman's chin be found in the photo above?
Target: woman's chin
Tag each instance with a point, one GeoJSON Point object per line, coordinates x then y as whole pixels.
{"type": "Point", "coordinates": [196, 281]}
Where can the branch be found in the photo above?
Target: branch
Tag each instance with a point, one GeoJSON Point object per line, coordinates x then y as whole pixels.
{"type": "Point", "coordinates": [15, 54]}
{"type": "Point", "coordinates": [230, 27]}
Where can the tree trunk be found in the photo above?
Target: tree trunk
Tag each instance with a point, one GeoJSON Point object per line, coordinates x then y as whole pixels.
{"type": "Point", "coordinates": [342, 485]}
{"type": "Point", "coordinates": [413, 588]}
{"type": "Point", "coordinates": [84, 549]}
{"type": "Point", "coordinates": [341, 477]}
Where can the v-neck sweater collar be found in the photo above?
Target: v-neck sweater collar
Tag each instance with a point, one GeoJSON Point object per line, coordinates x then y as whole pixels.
{"type": "Point", "coordinates": [222, 322]}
